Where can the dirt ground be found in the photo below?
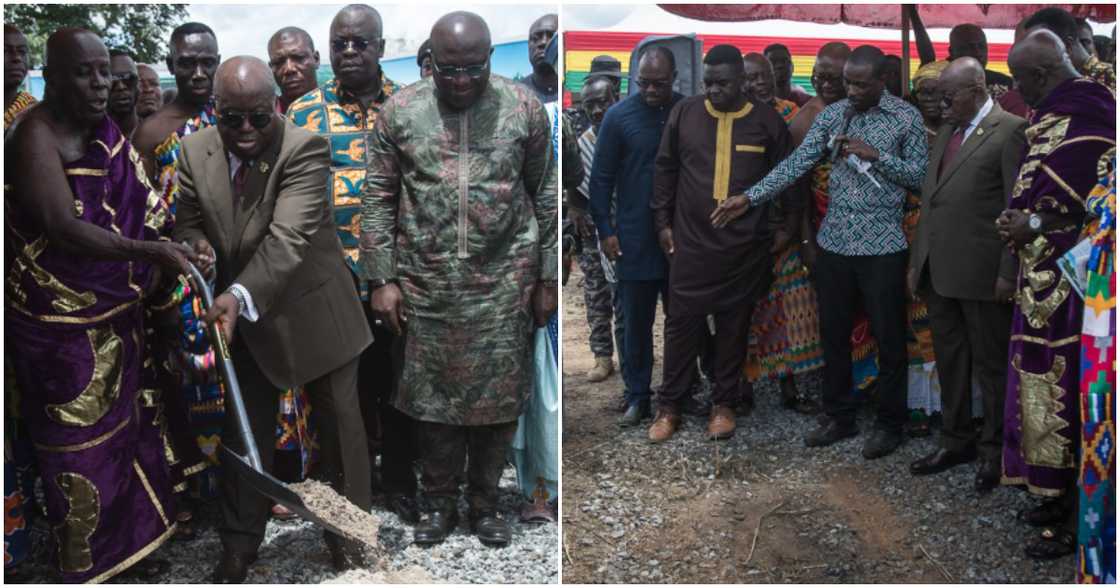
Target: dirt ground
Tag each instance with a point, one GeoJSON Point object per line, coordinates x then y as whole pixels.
{"type": "Point", "coordinates": [762, 508]}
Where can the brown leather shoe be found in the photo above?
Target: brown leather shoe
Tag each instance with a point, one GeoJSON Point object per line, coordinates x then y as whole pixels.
{"type": "Point", "coordinates": [721, 424]}
{"type": "Point", "coordinates": [664, 426]}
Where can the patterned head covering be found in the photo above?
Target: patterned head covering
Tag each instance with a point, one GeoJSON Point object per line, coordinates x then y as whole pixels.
{"type": "Point", "coordinates": [929, 71]}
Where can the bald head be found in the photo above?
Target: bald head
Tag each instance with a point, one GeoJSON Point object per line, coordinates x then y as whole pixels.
{"type": "Point", "coordinates": [459, 31]}
{"type": "Point", "coordinates": [963, 71]}
{"type": "Point", "coordinates": [1039, 62]}
{"type": "Point", "coordinates": [66, 45]}
{"type": "Point", "coordinates": [243, 76]}
{"type": "Point", "coordinates": [293, 33]}
{"type": "Point", "coordinates": [77, 76]}
{"type": "Point", "coordinates": [361, 16]}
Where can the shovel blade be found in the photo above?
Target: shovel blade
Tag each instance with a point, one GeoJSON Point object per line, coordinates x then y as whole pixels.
{"type": "Point", "coordinates": [272, 488]}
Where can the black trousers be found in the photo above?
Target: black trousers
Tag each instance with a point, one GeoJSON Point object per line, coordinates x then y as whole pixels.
{"type": "Point", "coordinates": [391, 429]}
{"type": "Point", "coordinates": [686, 338]}
{"type": "Point", "coordinates": [343, 461]}
{"type": "Point", "coordinates": [445, 449]}
{"type": "Point", "coordinates": [970, 337]}
{"type": "Point", "coordinates": [639, 311]}
{"type": "Point", "coordinates": [880, 282]}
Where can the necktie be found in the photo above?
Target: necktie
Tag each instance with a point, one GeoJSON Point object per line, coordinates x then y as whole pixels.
{"type": "Point", "coordinates": [239, 182]}
{"type": "Point", "coordinates": [950, 151]}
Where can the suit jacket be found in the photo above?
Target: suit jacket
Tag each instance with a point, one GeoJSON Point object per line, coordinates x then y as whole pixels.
{"type": "Point", "coordinates": [956, 234]}
{"type": "Point", "coordinates": [282, 246]}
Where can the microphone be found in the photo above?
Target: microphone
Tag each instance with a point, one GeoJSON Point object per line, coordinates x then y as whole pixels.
{"type": "Point", "coordinates": [835, 146]}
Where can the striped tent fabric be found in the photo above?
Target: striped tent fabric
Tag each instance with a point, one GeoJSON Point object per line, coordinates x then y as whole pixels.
{"type": "Point", "coordinates": [580, 47]}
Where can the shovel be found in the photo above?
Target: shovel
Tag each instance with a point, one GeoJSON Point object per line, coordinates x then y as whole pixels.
{"type": "Point", "coordinates": [248, 467]}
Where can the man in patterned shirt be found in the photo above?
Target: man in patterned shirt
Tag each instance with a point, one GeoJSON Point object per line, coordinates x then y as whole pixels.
{"type": "Point", "coordinates": [344, 110]}
{"type": "Point", "coordinates": [881, 147]}
{"type": "Point", "coordinates": [16, 62]}
{"type": "Point", "coordinates": [1063, 24]}
{"type": "Point", "coordinates": [459, 238]}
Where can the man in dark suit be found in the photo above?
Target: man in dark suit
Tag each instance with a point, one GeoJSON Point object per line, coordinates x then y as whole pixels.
{"type": "Point", "coordinates": [251, 198]}
{"type": "Point", "coordinates": [959, 265]}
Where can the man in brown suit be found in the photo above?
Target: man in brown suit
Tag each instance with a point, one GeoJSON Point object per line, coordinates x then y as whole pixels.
{"type": "Point", "coordinates": [251, 198]}
{"type": "Point", "coordinates": [959, 265]}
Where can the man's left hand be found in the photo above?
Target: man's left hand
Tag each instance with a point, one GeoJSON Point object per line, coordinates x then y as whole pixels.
{"type": "Point", "coordinates": [225, 310]}
{"type": "Point", "coordinates": [729, 210]}
{"type": "Point", "coordinates": [545, 300]}
{"type": "Point", "coordinates": [1014, 228]}
{"type": "Point", "coordinates": [853, 145]}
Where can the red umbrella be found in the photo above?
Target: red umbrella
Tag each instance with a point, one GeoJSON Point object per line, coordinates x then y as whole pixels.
{"type": "Point", "coordinates": [1004, 16]}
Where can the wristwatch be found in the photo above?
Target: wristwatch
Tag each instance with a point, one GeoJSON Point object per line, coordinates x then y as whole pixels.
{"type": "Point", "coordinates": [375, 284]}
{"type": "Point", "coordinates": [1035, 222]}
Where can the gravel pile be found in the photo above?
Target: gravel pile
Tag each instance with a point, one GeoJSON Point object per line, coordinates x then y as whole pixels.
{"type": "Point", "coordinates": [294, 553]}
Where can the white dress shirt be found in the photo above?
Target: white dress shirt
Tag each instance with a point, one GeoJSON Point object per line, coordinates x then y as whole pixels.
{"type": "Point", "coordinates": [975, 122]}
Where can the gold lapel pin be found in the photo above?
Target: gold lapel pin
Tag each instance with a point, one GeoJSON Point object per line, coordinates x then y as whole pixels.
{"type": "Point", "coordinates": [979, 131]}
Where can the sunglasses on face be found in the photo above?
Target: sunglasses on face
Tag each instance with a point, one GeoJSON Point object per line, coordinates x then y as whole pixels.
{"type": "Point", "coordinates": [359, 44]}
{"type": "Point", "coordinates": [451, 72]}
{"type": "Point", "coordinates": [656, 84]}
{"type": "Point", "coordinates": [234, 120]}
{"type": "Point", "coordinates": [127, 78]}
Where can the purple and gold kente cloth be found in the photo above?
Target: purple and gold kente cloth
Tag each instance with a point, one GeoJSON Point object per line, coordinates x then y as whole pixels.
{"type": "Point", "coordinates": [74, 336]}
{"type": "Point", "coordinates": [1070, 130]}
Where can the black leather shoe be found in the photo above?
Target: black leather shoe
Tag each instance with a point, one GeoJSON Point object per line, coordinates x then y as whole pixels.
{"type": "Point", "coordinates": [491, 529]}
{"type": "Point", "coordinates": [233, 569]}
{"type": "Point", "coordinates": [881, 443]}
{"type": "Point", "coordinates": [941, 460]}
{"type": "Point", "coordinates": [987, 475]}
{"type": "Point", "coordinates": [829, 433]}
{"type": "Point", "coordinates": [405, 508]}
{"type": "Point", "coordinates": [438, 525]}
{"type": "Point", "coordinates": [635, 414]}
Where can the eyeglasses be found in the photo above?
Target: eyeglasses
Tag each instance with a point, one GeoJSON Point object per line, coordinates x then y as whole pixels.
{"type": "Point", "coordinates": [234, 120]}
{"type": "Point", "coordinates": [656, 84]}
{"type": "Point", "coordinates": [451, 72]}
{"type": "Point", "coordinates": [359, 44]}
{"type": "Point", "coordinates": [128, 78]}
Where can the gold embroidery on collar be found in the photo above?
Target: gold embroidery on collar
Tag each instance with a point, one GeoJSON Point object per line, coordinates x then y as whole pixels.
{"type": "Point", "coordinates": [721, 179]}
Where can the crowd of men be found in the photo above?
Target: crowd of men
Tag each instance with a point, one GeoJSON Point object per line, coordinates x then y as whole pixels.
{"type": "Point", "coordinates": [362, 315]}
{"type": "Point", "coordinates": [780, 230]}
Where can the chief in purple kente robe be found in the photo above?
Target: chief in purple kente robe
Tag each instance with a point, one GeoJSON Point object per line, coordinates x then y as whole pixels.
{"type": "Point", "coordinates": [1070, 129]}
{"type": "Point", "coordinates": [74, 334]}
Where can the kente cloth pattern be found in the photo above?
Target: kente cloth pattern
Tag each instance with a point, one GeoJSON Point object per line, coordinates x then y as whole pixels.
{"type": "Point", "coordinates": [785, 334]}
{"type": "Point", "coordinates": [337, 115]}
{"type": "Point", "coordinates": [293, 427]}
{"type": "Point", "coordinates": [74, 336]}
{"type": "Point", "coordinates": [22, 102]}
{"type": "Point", "coordinates": [1101, 72]}
{"type": "Point", "coordinates": [1070, 130]}
{"type": "Point", "coordinates": [460, 208]}
{"type": "Point", "coordinates": [1096, 531]}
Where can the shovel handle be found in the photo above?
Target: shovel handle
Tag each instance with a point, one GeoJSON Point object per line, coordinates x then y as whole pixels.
{"type": "Point", "coordinates": [225, 369]}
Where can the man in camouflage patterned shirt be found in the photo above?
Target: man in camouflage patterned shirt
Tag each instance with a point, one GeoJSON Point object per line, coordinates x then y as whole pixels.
{"type": "Point", "coordinates": [459, 240]}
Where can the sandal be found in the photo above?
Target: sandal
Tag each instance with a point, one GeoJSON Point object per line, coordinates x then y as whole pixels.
{"type": "Point", "coordinates": [1050, 512]}
{"type": "Point", "coordinates": [1052, 544]}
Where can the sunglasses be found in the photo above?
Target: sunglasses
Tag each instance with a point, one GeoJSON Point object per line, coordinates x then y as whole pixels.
{"type": "Point", "coordinates": [359, 44]}
{"type": "Point", "coordinates": [451, 72]}
{"type": "Point", "coordinates": [656, 84]}
{"type": "Point", "coordinates": [127, 78]}
{"type": "Point", "coordinates": [234, 120]}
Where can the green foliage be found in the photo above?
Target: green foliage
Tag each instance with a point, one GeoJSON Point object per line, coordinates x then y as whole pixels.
{"type": "Point", "coordinates": [142, 29]}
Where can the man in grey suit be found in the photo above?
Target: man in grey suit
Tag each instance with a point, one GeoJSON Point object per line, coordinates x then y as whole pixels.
{"type": "Point", "coordinates": [251, 198]}
{"type": "Point", "coordinates": [959, 265]}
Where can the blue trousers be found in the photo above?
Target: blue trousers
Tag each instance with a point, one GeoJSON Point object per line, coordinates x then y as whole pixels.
{"type": "Point", "coordinates": [638, 299]}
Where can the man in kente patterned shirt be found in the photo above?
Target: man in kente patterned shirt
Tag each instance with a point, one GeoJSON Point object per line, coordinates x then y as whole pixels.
{"type": "Point", "coordinates": [459, 238]}
{"type": "Point", "coordinates": [344, 111]}
{"type": "Point", "coordinates": [881, 153]}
